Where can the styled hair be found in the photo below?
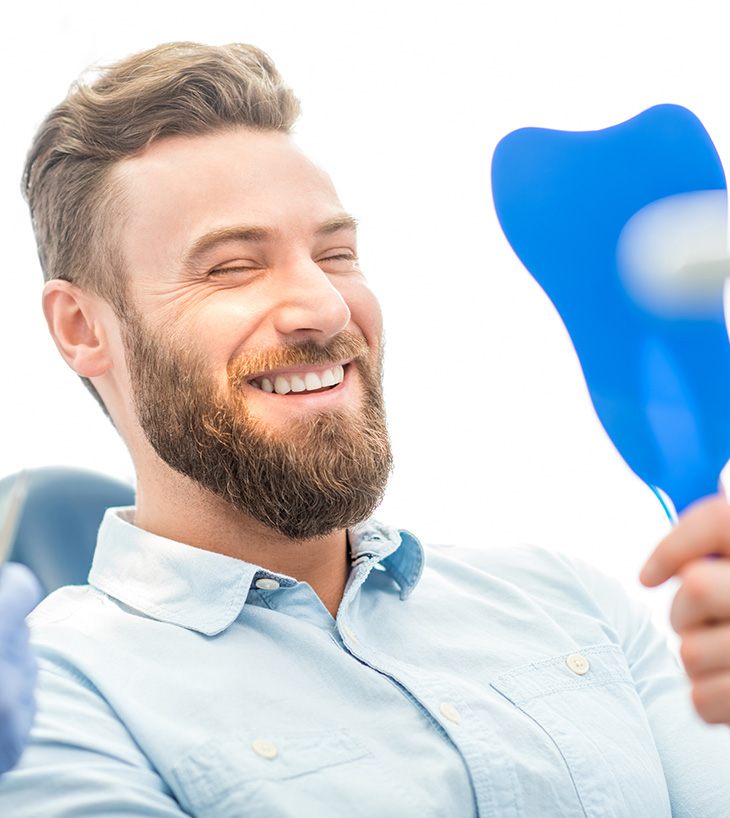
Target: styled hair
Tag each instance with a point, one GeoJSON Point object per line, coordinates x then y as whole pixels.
{"type": "Point", "coordinates": [179, 88]}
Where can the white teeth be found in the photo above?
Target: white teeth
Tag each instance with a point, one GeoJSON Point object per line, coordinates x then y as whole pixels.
{"type": "Point", "coordinates": [312, 381]}
{"type": "Point", "coordinates": [281, 385]}
{"type": "Point", "coordinates": [305, 382]}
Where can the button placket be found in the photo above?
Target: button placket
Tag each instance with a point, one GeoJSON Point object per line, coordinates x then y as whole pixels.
{"type": "Point", "coordinates": [450, 712]}
{"type": "Point", "coordinates": [349, 633]}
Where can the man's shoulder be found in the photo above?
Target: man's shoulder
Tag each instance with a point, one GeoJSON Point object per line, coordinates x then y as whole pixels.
{"type": "Point", "coordinates": [81, 610]}
{"type": "Point", "coordinates": [63, 603]}
{"type": "Point", "coordinates": [514, 559]}
{"type": "Point", "coordinates": [551, 575]}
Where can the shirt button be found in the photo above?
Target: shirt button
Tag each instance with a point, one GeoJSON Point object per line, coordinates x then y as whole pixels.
{"type": "Point", "coordinates": [266, 749]}
{"type": "Point", "coordinates": [267, 584]}
{"type": "Point", "coordinates": [450, 712]}
{"type": "Point", "coordinates": [578, 664]}
{"type": "Point", "coordinates": [349, 634]}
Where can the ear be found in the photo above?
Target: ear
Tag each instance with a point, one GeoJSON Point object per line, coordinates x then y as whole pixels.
{"type": "Point", "coordinates": [74, 319]}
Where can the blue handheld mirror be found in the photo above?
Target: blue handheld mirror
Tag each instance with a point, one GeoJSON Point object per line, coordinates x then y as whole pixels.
{"type": "Point", "coordinates": [625, 229]}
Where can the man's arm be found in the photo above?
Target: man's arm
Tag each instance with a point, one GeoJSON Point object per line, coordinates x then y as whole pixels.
{"type": "Point", "coordinates": [81, 762]}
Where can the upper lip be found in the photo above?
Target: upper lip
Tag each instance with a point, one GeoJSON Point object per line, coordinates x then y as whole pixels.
{"type": "Point", "coordinates": [272, 373]}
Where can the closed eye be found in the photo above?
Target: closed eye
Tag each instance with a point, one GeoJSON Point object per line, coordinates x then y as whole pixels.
{"type": "Point", "coordinates": [221, 270]}
{"type": "Point", "coordinates": [238, 269]}
{"type": "Point", "coordinates": [351, 257]}
{"type": "Point", "coordinates": [341, 257]}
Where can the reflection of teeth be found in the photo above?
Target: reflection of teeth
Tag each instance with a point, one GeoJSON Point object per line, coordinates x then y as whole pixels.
{"type": "Point", "coordinates": [301, 382]}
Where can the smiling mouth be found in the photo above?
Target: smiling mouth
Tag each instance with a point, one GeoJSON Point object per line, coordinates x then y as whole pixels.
{"type": "Point", "coordinates": [309, 381]}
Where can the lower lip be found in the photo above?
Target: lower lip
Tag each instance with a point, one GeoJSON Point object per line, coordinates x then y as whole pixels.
{"type": "Point", "coordinates": [310, 398]}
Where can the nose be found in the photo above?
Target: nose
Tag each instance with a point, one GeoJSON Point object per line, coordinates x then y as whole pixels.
{"type": "Point", "coordinates": [308, 303]}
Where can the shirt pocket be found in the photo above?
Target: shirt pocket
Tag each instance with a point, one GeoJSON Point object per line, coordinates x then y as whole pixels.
{"type": "Point", "coordinates": [587, 705]}
{"type": "Point", "coordinates": [283, 774]}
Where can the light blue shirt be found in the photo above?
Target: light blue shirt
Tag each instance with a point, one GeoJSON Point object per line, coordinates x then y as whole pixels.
{"type": "Point", "coordinates": [455, 682]}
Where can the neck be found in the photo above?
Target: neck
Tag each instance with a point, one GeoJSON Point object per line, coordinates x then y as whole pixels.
{"type": "Point", "coordinates": [172, 506]}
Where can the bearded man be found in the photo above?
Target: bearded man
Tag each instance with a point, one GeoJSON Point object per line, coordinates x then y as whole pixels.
{"type": "Point", "coordinates": [251, 641]}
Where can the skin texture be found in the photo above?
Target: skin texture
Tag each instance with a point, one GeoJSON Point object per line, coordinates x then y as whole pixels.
{"type": "Point", "coordinates": [700, 612]}
{"type": "Point", "coordinates": [274, 480]}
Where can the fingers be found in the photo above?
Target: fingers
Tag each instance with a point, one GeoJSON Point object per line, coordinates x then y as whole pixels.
{"type": "Point", "coordinates": [19, 594]}
{"type": "Point", "coordinates": [711, 698]}
{"type": "Point", "coordinates": [700, 611]}
{"type": "Point", "coordinates": [706, 651]}
{"type": "Point", "coordinates": [702, 530]}
{"type": "Point", "coordinates": [703, 595]}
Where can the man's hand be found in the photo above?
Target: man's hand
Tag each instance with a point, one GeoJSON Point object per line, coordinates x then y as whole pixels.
{"type": "Point", "coordinates": [19, 593]}
{"type": "Point", "coordinates": [697, 551]}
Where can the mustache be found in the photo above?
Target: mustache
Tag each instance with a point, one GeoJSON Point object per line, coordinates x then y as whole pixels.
{"type": "Point", "coordinates": [345, 345]}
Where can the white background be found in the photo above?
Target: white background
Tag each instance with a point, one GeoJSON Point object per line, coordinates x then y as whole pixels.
{"type": "Point", "coordinates": [494, 435]}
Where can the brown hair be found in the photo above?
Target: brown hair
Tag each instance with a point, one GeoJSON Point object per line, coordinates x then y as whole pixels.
{"type": "Point", "coordinates": [178, 88]}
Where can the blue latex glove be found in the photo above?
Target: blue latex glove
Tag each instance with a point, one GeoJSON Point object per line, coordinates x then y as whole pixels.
{"type": "Point", "coordinates": [19, 594]}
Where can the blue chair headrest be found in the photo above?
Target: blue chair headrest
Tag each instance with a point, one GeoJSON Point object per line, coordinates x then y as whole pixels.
{"type": "Point", "coordinates": [57, 530]}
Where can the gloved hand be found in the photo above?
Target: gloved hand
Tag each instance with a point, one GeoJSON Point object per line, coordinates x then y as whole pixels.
{"type": "Point", "coordinates": [19, 594]}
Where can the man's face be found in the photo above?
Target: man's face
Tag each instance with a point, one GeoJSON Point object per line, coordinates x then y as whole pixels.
{"type": "Point", "coordinates": [244, 278]}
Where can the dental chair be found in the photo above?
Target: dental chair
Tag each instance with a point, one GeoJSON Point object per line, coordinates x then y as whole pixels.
{"type": "Point", "coordinates": [56, 533]}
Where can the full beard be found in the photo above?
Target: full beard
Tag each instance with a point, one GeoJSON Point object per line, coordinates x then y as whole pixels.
{"type": "Point", "coordinates": [324, 472]}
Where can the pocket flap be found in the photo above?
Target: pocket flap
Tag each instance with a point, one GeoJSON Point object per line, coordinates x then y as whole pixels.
{"type": "Point", "coordinates": [606, 665]}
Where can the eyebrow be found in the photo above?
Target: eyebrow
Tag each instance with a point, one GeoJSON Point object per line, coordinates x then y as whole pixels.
{"type": "Point", "coordinates": [254, 233]}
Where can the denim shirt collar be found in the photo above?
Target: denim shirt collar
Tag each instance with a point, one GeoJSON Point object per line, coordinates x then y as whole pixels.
{"type": "Point", "coordinates": [205, 591]}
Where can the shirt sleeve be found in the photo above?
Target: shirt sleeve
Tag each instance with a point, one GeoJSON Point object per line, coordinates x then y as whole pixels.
{"type": "Point", "coordinates": [695, 755]}
{"type": "Point", "coordinates": [81, 762]}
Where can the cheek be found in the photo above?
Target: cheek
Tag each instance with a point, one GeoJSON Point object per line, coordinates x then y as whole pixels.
{"type": "Point", "coordinates": [366, 313]}
{"type": "Point", "coordinates": [210, 339]}
{"type": "Point", "coordinates": [225, 320]}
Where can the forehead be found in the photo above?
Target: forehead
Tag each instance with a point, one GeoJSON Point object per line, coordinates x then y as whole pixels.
{"type": "Point", "coordinates": [182, 187]}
